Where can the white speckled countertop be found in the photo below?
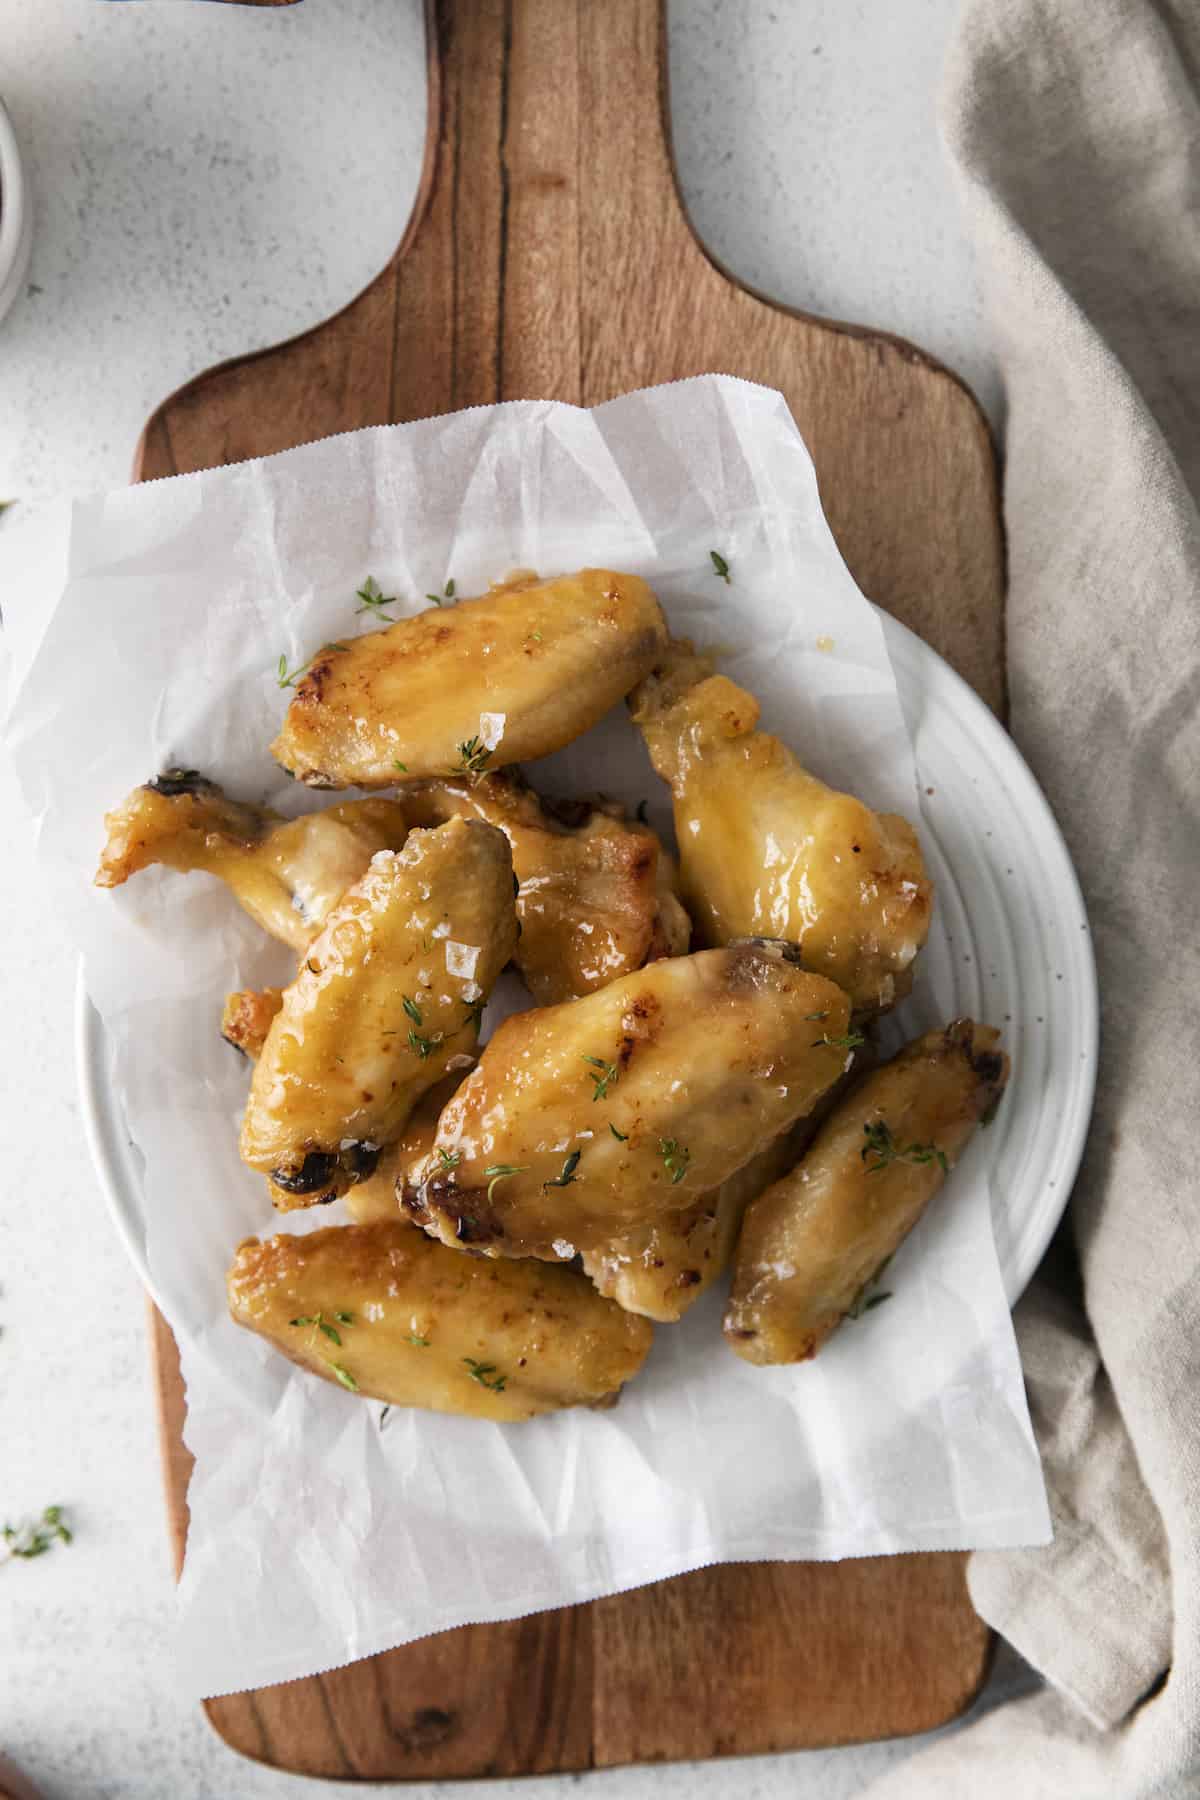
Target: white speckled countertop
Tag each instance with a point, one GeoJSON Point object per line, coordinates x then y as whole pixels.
{"type": "Point", "coordinates": [208, 180]}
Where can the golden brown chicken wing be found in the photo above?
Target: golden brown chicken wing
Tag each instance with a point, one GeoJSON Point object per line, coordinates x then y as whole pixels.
{"type": "Point", "coordinates": [662, 1268]}
{"type": "Point", "coordinates": [767, 848]}
{"type": "Point", "coordinates": [386, 1002]}
{"type": "Point", "coordinates": [812, 1243]}
{"type": "Point", "coordinates": [385, 1312]}
{"type": "Point", "coordinates": [596, 890]}
{"type": "Point", "coordinates": [287, 873]}
{"type": "Point", "coordinates": [586, 1120]}
{"type": "Point", "coordinates": [378, 1197]}
{"type": "Point", "coordinates": [513, 675]}
{"type": "Point", "coordinates": [248, 1017]}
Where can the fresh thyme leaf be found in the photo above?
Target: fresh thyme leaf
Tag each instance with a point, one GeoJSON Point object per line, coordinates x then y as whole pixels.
{"type": "Point", "coordinates": [609, 1073]}
{"type": "Point", "coordinates": [412, 1009]}
{"type": "Point", "coordinates": [403, 767]}
{"type": "Point", "coordinates": [372, 599]}
{"type": "Point", "coordinates": [882, 1146]}
{"type": "Point", "coordinates": [449, 1159]}
{"type": "Point", "coordinates": [344, 1318]}
{"type": "Point", "coordinates": [420, 1342]}
{"type": "Point", "coordinates": [675, 1159]}
{"type": "Point", "coordinates": [305, 1319]}
{"type": "Point", "coordinates": [567, 1174]}
{"type": "Point", "coordinates": [345, 1377]}
{"type": "Point", "coordinates": [446, 594]}
{"type": "Point", "coordinates": [473, 756]}
{"type": "Point", "coordinates": [501, 1172]}
{"type": "Point", "coordinates": [486, 1374]}
{"type": "Point", "coordinates": [424, 1046]}
{"type": "Point", "coordinates": [720, 566]}
{"type": "Point", "coordinates": [286, 678]}
{"type": "Point", "coordinates": [849, 1040]}
{"type": "Point", "coordinates": [331, 1332]}
{"type": "Point", "coordinates": [34, 1537]}
{"type": "Point", "coordinates": [866, 1299]}
{"type": "Point", "coordinates": [622, 1137]}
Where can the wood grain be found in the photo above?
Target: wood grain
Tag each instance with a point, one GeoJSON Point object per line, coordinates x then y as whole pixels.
{"type": "Point", "coordinates": [549, 255]}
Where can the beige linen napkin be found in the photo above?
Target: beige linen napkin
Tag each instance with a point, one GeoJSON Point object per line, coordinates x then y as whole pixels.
{"type": "Point", "coordinates": [1075, 128]}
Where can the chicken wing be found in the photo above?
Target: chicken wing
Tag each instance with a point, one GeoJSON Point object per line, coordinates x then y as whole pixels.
{"type": "Point", "coordinates": [596, 890]}
{"type": "Point", "coordinates": [385, 1312]}
{"type": "Point", "coordinates": [287, 873]}
{"type": "Point", "coordinates": [386, 1002]}
{"type": "Point", "coordinates": [662, 1268]}
{"type": "Point", "coordinates": [588, 1119]}
{"type": "Point", "coordinates": [765, 847]}
{"type": "Point", "coordinates": [248, 1017]}
{"type": "Point", "coordinates": [513, 675]}
{"type": "Point", "coordinates": [814, 1241]}
{"type": "Point", "coordinates": [378, 1196]}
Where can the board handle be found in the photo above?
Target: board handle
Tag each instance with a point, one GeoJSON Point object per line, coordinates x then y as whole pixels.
{"type": "Point", "coordinates": [547, 165]}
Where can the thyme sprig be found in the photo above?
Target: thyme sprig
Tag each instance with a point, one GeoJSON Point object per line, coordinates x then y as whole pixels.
{"type": "Point", "coordinates": [880, 1150]}
{"type": "Point", "coordinates": [675, 1159]}
{"type": "Point", "coordinates": [608, 1076]}
{"type": "Point", "coordinates": [33, 1537]}
{"type": "Point", "coordinates": [566, 1174]}
{"type": "Point", "coordinates": [501, 1172]}
{"type": "Point", "coordinates": [486, 1374]}
{"type": "Point", "coordinates": [474, 756]}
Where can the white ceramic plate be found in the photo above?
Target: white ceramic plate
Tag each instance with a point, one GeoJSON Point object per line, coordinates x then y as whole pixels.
{"type": "Point", "coordinates": [16, 219]}
{"type": "Point", "coordinates": [1011, 947]}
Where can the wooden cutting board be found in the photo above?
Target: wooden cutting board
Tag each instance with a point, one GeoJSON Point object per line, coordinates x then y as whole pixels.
{"type": "Point", "coordinates": [549, 256]}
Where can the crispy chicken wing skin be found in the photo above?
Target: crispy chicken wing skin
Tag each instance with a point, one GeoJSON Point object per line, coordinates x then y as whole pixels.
{"type": "Point", "coordinates": [248, 1017]}
{"type": "Point", "coordinates": [591, 1118]}
{"type": "Point", "coordinates": [812, 1242]}
{"type": "Point", "coordinates": [661, 1269]}
{"type": "Point", "coordinates": [387, 1313]}
{"type": "Point", "coordinates": [287, 873]}
{"type": "Point", "coordinates": [513, 675]}
{"type": "Point", "coordinates": [378, 1197]}
{"type": "Point", "coordinates": [385, 1003]}
{"type": "Point", "coordinates": [767, 848]}
{"type": "Point", "coordinates": [596, 897]}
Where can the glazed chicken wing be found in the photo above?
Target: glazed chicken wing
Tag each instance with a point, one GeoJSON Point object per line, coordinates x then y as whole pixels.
{"type": "Point", "coordinates": [386, 1312]}
{"type": "Point", "coordinates": [662, 1268]}
{"type": "Point", "coordinates": [596, 896]}
{"type": "Point", "coordinates": [287, 873]}
{"type": "Point", "coordinates": [247, 1018]}
{"type": "Point", "coordinates": [386, 1002]}
{"type": "Point", "coordinates": [813, 1242]}
{"type": "Point", "coordinates": [378, 1197]}
{"type": "Point", "coordinates": [586, 1120]}
{"type": "Point", "coordinates": [513, 675]}
{"type": "Point", "coordinates": [767, 848]}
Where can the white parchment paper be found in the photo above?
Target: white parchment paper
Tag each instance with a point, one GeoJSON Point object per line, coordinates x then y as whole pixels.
{"type": "Point", "coordinates": [151, 638]}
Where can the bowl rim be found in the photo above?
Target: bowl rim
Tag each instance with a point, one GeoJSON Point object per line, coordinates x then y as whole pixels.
{"type": "Point", "coordinates": [16, 223]}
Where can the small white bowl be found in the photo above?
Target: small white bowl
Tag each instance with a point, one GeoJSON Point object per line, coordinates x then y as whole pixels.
{"type": "Point", "coordinates": [16, 218]}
